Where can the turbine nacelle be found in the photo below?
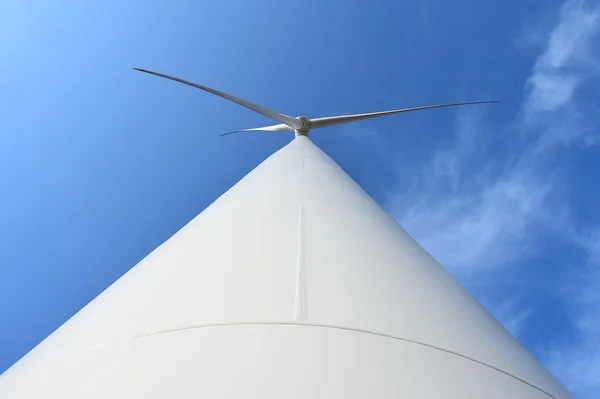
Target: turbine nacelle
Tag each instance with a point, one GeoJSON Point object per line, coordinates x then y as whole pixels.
{"type": "Point", "coordinates": [301, 125]}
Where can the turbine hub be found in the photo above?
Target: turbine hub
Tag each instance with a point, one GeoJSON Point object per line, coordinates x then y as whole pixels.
{"type": "Point", "coordinates": [305, 128]}
{"type": "Point", "coordinates": [305, 124]}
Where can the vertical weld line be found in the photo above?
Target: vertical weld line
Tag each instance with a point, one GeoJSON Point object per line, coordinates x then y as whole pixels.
{"type": "Point", "coordinates": [300, 305]}
{"type": "Point", "coordinates": [301, 163]}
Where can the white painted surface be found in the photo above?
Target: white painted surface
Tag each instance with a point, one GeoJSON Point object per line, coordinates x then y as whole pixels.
{"type": "Point", "coordinates": [294, 283]}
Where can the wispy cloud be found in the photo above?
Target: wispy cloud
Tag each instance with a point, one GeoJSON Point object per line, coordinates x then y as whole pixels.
{"type": "Point", "coordinates": [578, 364]}
{"type": "Point", "coordinates": [512, 316]}
{"type": "Point", "coordinates": [478, 205]}
{"type": "Point", "coordinates": [474, 213]}
{"type": "Point", "coordinates": [483, 222]}
{"type": "Point", "coordinates": [567, 61]}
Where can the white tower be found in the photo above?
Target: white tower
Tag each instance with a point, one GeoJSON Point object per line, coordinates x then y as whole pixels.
{"type": "Point", "coordinates": [293, 284]}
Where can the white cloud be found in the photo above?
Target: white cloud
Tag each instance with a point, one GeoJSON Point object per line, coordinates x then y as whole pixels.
{"type": "Point", "coordinates": [511, 316]}
{"type": "Point", "coordinates": [483, 229]}
{"type": "Point", "coordinates": [476, 210]}
{"type": "Point", "coordinates": [568, 60]}
{"type": "Point", "coordinates": [578, 365]}
{"type": "Point", "coordinates": [485, 223]}
{"type": "Point", "coordinates": [570, 42]}
{"type": "Point", "coordinates": [471, 213]}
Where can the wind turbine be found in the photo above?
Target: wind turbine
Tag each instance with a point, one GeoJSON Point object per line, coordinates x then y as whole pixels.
{"type": "Point", "coordinates": [294, 283]}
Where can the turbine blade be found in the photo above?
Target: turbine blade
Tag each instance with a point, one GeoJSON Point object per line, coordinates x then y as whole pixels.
{"type": "Point", "coordinates": [287, 120]}
{"type": "Point", "coordinates": [274, 128]}
{"type": "Point", "coordinates": [339, 120]}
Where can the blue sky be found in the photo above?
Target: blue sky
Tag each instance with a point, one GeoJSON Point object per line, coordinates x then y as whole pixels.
{"type": "Point", "coordinates": [100, 164]}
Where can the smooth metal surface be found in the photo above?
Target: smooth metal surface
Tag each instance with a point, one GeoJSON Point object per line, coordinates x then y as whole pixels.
{"type": "Point", "coordinates": [294, 283]}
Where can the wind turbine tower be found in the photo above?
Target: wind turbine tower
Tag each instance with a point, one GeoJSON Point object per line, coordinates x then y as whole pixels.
{"type": "Point", "coordinates": [293, 284]}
